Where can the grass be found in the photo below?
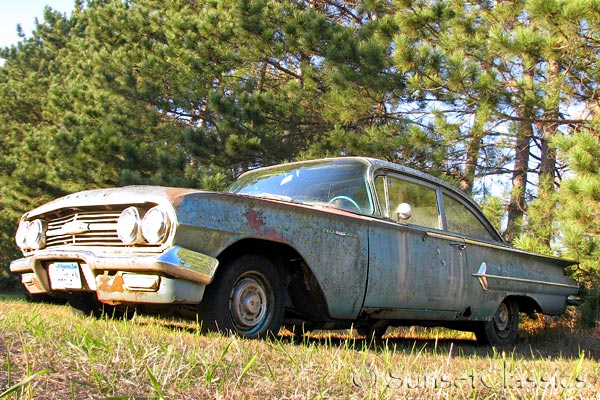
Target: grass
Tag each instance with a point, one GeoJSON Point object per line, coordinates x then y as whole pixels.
{"type": "Point", "coordinates": [47, 352]}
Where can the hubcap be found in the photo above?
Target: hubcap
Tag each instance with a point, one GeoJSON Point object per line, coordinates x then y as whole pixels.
{"type": "Point", "coordinates": [248, 302]}
{"type": "Point", "coordinates": [502, 317]}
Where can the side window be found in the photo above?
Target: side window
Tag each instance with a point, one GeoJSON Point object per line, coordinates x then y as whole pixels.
{"type": "Point", "coordinates": [422, 199]}
{"type": "Point", "coordinates": [460, 219]}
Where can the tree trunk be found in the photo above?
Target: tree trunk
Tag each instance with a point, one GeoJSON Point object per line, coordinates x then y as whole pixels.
{"type": "Point", "coordinates": [473, 147]}
{"type": "Point", "coordinates": [550, 128]}
{"type": "Point", "coordinates": [516, 206]}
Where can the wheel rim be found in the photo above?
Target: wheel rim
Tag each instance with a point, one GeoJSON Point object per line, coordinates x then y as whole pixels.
{"type": "Point", "coordinates": [502, 320]}
{"type": "Point", "coordinates": [249, 302]}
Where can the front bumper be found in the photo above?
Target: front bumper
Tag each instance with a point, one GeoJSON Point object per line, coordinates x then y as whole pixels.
{"type": "Point", "coordinates": [177, 275]}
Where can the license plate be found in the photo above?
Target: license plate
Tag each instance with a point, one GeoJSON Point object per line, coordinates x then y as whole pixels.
{"type": "Point", "coordinates": [64, 275]}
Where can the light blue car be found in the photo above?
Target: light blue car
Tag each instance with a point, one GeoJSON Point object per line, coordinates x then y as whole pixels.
{"type": "Point", "coordinates": [323, 244]}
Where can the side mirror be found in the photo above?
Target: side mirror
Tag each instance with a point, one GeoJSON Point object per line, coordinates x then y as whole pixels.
{"type": "Point", "coordinates": [404, 211]}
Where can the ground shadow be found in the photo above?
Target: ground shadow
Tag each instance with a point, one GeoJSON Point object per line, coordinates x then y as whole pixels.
{"type": "Point", "coordinates": [545, 343]}
{"type": "Point", "coordinates": [548, 344]}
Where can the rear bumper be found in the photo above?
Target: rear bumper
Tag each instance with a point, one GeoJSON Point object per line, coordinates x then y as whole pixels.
{"type": "Point", "coordinates": [574, 300]}
{"type": "Point", "coordinates": [177, 275]}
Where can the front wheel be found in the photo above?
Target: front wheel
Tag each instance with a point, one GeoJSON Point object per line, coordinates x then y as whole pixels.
{"type": "Point", "coordinates": [502, 329]}
{"type": "Point", "coordinates": [245, 298]}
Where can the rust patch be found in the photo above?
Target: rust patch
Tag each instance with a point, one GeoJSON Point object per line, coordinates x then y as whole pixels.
{"type": "Point", "coordinates": [256, 220]}
{"type": "Point", "coordinates": [257, 225]}
{"type": "Point", "coordinates": [111, 284]}
{"type": "Point", "coordinates": [175, 195]}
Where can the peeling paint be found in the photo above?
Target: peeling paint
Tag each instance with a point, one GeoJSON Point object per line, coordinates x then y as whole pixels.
{"type": "Point", "coordinates": [258, 226]}
{"type": "Point", "coordinates": [256, 220]}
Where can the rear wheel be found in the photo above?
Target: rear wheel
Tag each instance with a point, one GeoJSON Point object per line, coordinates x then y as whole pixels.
{"type": "Point", "coordinates": [502, 329]}
{"type": "Point", "coordinates": [245, 298]}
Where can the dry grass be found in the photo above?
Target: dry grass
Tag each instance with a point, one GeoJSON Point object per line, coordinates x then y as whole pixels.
{"type": "Point", "coordinates": [46, 352]}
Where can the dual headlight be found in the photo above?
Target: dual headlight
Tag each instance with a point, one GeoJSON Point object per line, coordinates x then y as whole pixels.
{"type": "Point", "coordinates": [153, 228]}
{"type": "Point", "coordinates": [132, 228]}
{"type": "Point", "coordinates": [31, 235]}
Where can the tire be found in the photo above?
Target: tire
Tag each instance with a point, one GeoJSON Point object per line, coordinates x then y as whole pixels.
{"type": "Point", "coordinates": [502, 329]}
{"type": "Point", "coordinates": [245, 298]}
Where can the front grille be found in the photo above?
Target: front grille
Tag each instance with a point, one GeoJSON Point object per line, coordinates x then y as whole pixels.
{"type": "Point", "coordinates": [84, 229]}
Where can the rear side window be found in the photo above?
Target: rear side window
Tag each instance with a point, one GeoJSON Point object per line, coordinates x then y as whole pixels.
{"type": "Point", "coordinates": [461, 219]}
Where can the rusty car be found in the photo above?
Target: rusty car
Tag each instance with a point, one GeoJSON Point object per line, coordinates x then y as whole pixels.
{"type": "Point", "coordinates": [322, 244]}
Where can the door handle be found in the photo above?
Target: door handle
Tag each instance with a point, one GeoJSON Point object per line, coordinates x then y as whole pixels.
{"type": "Point", "coordinates": [458, 245]}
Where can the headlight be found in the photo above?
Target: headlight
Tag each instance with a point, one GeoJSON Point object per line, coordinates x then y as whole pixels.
{"type": "Point", "coordinates": [35, 237]}
{"type": "Point", "coordinates": [21, 235]}
{"type": "Point", "coordinates": [155, 225]}
{"type": "Point", "coordinates": [129, 226]}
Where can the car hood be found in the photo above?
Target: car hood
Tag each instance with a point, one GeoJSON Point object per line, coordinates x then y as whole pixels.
{"type": "Point", "coordinates": [122, 195]}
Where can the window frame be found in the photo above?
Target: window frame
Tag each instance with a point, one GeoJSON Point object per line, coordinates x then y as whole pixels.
{"type": "Point", "coordinates": [385, 206]}
{"type": "Point", "coordinates": [492, 234]}
{"type": "Point", "coordinates": [381, 207]}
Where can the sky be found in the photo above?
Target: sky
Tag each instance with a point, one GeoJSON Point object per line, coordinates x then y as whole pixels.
{"type": "Point", "coordinates": [24, 12]}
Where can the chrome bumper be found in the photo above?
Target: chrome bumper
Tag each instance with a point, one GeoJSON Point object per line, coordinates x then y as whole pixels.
{"type": "Point", "coordinates": [177, 275]}
{"type": "Point", "coordinates": [574, 300]}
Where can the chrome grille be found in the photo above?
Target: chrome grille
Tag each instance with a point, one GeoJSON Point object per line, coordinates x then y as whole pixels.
{"type": "Point", "coordinates": [86, 228]}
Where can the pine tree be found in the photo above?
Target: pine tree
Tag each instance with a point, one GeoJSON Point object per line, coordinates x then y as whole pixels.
{"type": "Point", "coordinates": [26, 127]}
{"type": "Point", "coordinates": [578, 213]}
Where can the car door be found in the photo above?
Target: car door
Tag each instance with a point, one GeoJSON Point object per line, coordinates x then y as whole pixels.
{"type": "Point", "coordinates": [484, 252]}
{"type": "Point", "coordinates": [413, 263]}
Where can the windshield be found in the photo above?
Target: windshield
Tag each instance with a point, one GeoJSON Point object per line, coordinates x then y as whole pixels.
{"type": "Point", "coordinates": [337, 183]}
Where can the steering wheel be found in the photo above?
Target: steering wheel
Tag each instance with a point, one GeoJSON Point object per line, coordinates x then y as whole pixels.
{"type": "Point", "coordinates": [346, 199]}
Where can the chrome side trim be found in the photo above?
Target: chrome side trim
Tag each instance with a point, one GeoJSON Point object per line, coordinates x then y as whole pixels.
{"type": "Point", "coordinates": [565, 285]}
{"type": "Point", "coordinates": [483, 276]}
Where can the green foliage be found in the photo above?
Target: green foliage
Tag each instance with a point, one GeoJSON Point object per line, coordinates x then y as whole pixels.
{"type": "Point", "coordinates": [493, 208]}
{"type": "Point", "coordinates": [589, 311]}
{"type": "Point", "coordinates": [579, 203]}
{"type": "Point", "coordinates": [576, 209]}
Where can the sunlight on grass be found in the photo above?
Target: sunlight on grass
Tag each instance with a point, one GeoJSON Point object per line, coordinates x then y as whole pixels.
{"type": "Point", "coordinates": [46, 351]}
